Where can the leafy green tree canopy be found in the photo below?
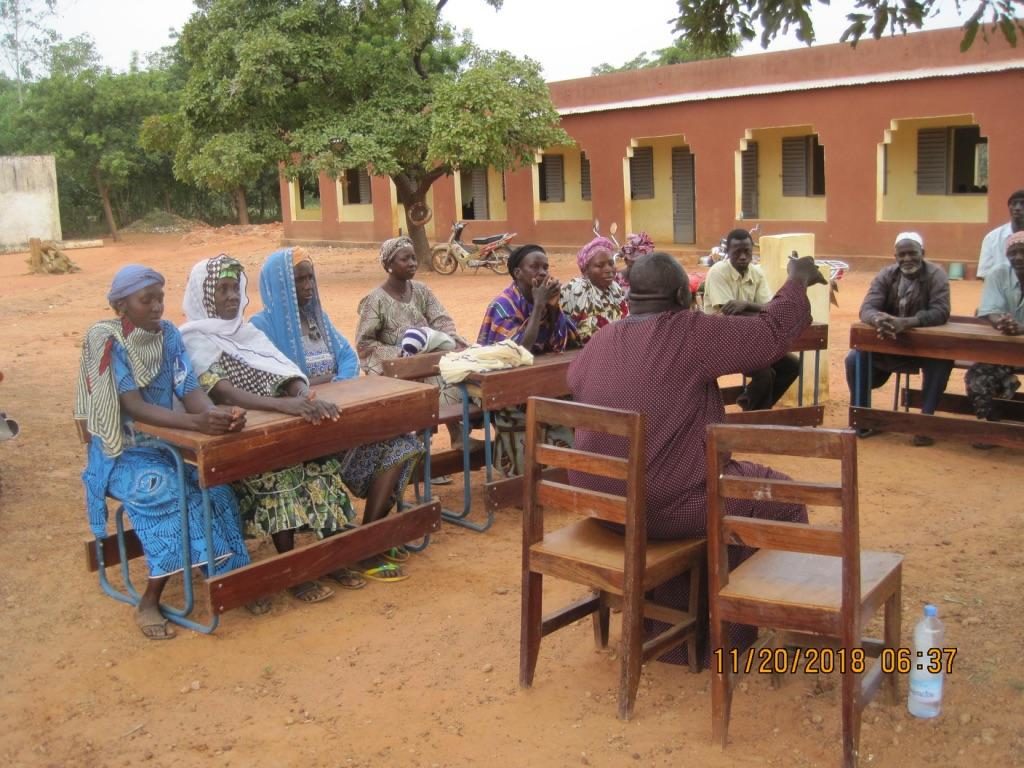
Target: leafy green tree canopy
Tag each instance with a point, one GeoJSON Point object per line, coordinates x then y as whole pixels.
{"type": "Point", "coordinates": [327, 85]}
{"type": "Point", "coordinates": [681, 51]}
{"type": "Point", "coordinates": [711, 22]}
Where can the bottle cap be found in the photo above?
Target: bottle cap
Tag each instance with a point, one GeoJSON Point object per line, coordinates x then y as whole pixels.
{"type": "Point", "coordinates": [931, 610]}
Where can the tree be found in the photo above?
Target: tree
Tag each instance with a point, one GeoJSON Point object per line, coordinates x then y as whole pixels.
{"type": "Point", "coordinates": [24, 38]}
{"type": "Point", "coordinates": [89, 118]}
{"type": "Point", "coordinates": [328, 85]}
{"type": "Point", "coordinates": [680, 52]}
{"type": "Point", "coordinates": [711, 22]}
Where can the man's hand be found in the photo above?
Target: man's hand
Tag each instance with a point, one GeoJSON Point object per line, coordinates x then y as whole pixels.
{"type": "Point", "coordinates": [889, 327]}
{"type": "Point", "coordinates": [735, 307]}
{"type": "Point", "coordinates": [1007, 324]}
{"type": "Point", "coordinates": [806, 271]}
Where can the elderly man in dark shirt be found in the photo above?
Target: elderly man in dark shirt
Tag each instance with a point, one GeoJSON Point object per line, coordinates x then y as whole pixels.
{"type": "Point", "coordinates": [912, 293]}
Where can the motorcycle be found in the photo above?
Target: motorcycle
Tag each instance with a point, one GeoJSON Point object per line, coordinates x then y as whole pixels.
{"type": "Point", "coordinates": [491, 252]}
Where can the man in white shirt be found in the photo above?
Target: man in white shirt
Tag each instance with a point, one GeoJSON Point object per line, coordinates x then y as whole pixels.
{"type": "Point", "coordinates": [736, 286]}
{"type": "Point", "coordinates": [993, 247]}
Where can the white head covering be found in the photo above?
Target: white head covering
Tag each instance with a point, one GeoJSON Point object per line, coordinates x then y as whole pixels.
{"type": "Point", "coordinates": [911, 236]}
{"type": "Point", "coordinates": [207, 337]}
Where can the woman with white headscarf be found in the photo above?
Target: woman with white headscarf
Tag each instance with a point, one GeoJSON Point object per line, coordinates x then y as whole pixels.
{"type": "Point", "coordinates": [238, 365]}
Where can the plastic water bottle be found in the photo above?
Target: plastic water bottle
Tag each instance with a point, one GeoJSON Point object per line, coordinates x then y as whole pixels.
{"type": "Point", "coordinates": [925, 699]}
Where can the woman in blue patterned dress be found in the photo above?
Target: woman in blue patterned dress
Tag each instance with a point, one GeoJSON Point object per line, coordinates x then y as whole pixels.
{"type": "Point", "coordinates": [133, 367]}
{"type": "Point", "coordinates": [297, 324]}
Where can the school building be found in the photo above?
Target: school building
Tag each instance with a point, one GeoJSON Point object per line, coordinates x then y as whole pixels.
{"type": "Point", "coordinates": [851, 144]}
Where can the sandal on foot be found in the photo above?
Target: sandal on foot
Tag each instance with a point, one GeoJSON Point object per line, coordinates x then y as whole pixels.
{"type": "Point", "coordinates": [311, 592]}
{"type": "Point", "coordinates": [385, 572]}
{"type": "Point", "coordinates": [441, 480]}
{"type": "Point", "coordinates": [259, 607]}
{"type": "Point", "coordinates": [347, 578]}
{"type": "Point", "coordinates": [397, 554]}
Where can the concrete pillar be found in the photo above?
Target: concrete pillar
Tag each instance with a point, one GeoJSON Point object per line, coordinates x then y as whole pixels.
{"type": "Point", "coordinates": [775, 252]}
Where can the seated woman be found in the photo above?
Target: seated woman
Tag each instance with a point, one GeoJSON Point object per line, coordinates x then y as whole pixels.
{"type": "Point", "coordinates": [594, 299]}
{"type": "Point", "coordinates": [133, 367]}
{"type": "Point", "coordinates": [529, 313]}
{"type": "Point", "coordinates": [1003, 306]}
{"type": "Point", "coordinates": [295, 321]}
{"type": "Point", "coordinates": [238, 365]}
{"type": "Point", "coordinates": [400, 305]}
{"type": "Point", "coordinates": [636, 245]}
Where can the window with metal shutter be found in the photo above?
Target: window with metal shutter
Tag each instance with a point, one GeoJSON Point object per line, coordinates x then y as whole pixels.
{"type": "Point", "coordinates": [794, 166]}
{"type": "Point", "coordinates": [365, 196]}
{"type": "Point", "coordinates": [932, 161]}
{"type": "Point", "coordinates": [641, 174]}
{"type": "Point", "coordinates": [552, 178]}
{"type": "Point", "coordinates": [584, 176]}
{"type": "Point", "coordinates": [356, 189]}
{"type": "Point", "coordinates": [748, 180]}
{"type": "Point", "coordinates": [684, 229]}
{"type": "Point", "coordinates": [480, 206]}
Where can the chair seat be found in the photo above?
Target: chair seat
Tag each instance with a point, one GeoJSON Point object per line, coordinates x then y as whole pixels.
{"type": "Point", "coordinates": [592, 546]}
{"type": "Point", "coordinates": [804, 580]}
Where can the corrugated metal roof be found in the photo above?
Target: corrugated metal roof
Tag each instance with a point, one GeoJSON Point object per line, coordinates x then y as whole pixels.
{"type": "Point", "coordinates": [801, 85]}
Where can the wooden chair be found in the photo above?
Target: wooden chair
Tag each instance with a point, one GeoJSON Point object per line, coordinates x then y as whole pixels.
{"type": "Point", "coordinates": [812, 582]}
{"type": "Point", "coordinates": [620, 568]}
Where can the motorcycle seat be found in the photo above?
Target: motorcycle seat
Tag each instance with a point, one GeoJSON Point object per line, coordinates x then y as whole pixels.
{"type": "Point", "coordinates": [487, 240]}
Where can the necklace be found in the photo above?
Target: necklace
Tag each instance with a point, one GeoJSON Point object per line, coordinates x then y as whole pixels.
{"type": "Point", "coordinates": [313, 330]}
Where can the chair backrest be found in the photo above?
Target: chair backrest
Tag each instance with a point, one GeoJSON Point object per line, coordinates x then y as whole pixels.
{"type": "Point", "coordinates": [842, 541]}
{"type": "Point", "coordinates": [628, 510]}
{"type": "Point", "coordinates": [414, 367]}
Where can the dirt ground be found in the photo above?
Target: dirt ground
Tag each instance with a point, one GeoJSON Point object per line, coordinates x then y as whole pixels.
{"type": "Point", "coordinates": [424, 672]}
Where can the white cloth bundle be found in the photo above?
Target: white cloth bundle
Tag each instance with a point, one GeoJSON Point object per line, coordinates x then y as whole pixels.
{"type": "Point", "coordinates": [456, 366]}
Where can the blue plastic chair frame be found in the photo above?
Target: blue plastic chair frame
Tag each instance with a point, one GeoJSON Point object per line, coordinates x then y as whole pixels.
{"type": "Point", "coordinates": [426, 491]}
{"type": "Point", "coordinates": [131, 595]}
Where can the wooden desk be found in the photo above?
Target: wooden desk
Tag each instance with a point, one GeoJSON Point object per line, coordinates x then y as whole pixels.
{"type": "Point", "coordinates": [958, 340]}
{"type": "Point", "coordinates": [371, 408]}
{"type": "Point", "coordinates": [813, 339]}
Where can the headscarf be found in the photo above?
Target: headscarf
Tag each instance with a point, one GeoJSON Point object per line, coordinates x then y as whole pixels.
{"type": "Point", "coordinates": [389, 248]}
{"type": "Point", "coordinates": [207, 336]}
{"type": "Point", "coordinates": [911, 236]}
{"type": "Point", "coordinates": [591, 249]}
{"type": "Point", "coordinates": [280, 317]}
{"type": "Point", "coordinates": [131, 278]}
{"type": "Point", "coordinates": [637, 245]}
{"type": "Point", "coordinates": [1017, 238]}
{"type": "Point", "coordinates": [520, 253]}
{"type": "Point", "coordinates": [96, 398]}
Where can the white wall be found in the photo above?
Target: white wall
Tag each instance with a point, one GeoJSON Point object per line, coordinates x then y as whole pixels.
{"type": "Point", "coordinates": [28, 201]}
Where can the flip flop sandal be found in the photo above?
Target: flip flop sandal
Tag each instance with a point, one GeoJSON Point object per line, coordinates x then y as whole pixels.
{"type": "Point", "coordinates": [311, 592]}
{"type": "Point", "coordinates": [259, 607]}
{"type": "Point", "coordinates": [441, 480]}
{"type": "Point", "coordinates": [396, 555]}
{"type": "Point", "coordinates": [158, 631]}
{"type": "Point", "coordinates": [385, 572]}
{"type": "Point", "coordinates": [346, 578]}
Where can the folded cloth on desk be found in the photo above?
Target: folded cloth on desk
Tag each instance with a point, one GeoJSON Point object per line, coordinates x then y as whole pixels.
{"type": "Point", "coordinates": [456, 366]}
{"type": "Point", "coordinates": [425, 339]}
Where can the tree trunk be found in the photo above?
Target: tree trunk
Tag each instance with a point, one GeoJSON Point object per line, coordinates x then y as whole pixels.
{"type": "Point", "coordinates": [108, 212]}
{"type": "Point", "coordinates": [408, 195]}
{"type": "Point", "coordinates": [167, 201]}
{"type": "Point", "coordinates": [243, 206]}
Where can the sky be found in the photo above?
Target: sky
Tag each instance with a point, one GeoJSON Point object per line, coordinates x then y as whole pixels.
{"type": "Point", "coordinates": [567, 37]}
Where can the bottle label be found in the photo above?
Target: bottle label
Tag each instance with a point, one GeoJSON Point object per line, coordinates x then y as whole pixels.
{"type": "Point", "coordinates": [926, 687]}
